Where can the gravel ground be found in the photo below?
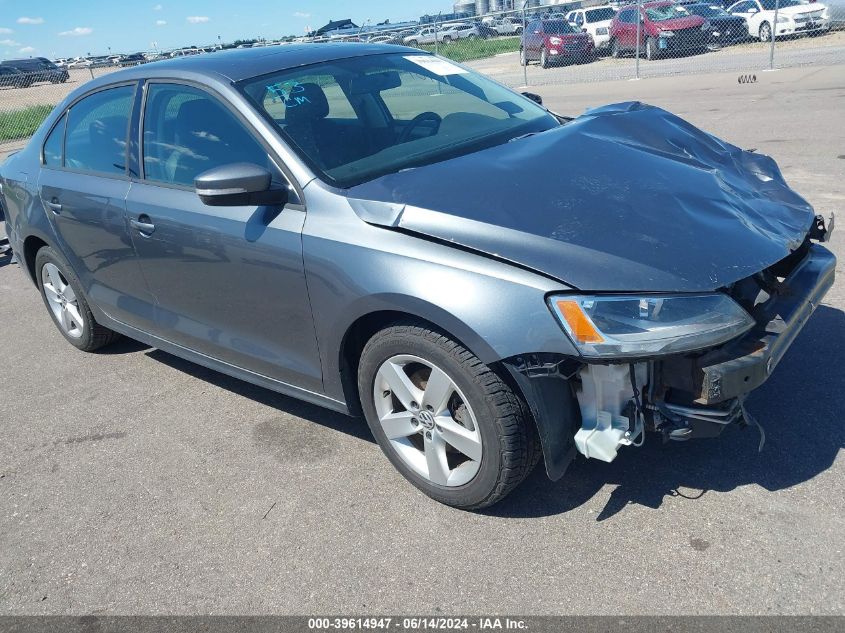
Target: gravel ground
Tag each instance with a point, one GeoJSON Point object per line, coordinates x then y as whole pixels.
{"type": "Point", "coordinates": [132, 482]}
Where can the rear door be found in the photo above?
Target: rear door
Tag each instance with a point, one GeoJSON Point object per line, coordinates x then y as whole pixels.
{"type": "Point", "coordinates": [229, 282]}
{"type": "Point", "coordinates": [83, 185]}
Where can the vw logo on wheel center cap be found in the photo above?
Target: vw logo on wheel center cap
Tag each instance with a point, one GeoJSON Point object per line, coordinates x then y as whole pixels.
{"type": "Point", "coordinates": [426, 418]}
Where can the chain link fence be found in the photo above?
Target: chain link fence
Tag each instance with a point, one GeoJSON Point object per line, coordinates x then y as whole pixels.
{"type": "Point", "coordinates": [580, 41]}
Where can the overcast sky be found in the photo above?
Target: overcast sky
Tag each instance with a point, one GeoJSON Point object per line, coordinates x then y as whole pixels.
{"type": "Point", "coordinates": [66, 28]}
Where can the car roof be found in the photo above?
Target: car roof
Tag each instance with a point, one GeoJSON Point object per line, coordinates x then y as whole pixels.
{"type": "Point", "coordinates": [243, 63]}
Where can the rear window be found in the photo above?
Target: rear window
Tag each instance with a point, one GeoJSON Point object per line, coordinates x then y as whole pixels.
{"type": "Point", "coordinates": [600, 15]}
{"type": "Point", "coordinates": [557, 27]}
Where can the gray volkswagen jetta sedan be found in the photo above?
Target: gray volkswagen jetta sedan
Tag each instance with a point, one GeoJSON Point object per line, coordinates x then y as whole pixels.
{"type": "Point", "coordinates": [383, 232]}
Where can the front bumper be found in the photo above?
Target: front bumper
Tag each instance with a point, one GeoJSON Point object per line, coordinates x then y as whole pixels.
{"type": "Point", "coordinates": [744, 364]}
{"type": "Point", "coordinates": [797, 28]}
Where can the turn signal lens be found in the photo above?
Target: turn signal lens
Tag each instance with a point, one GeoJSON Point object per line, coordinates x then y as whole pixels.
{"type": "Point", "coordinates": [580, 326]}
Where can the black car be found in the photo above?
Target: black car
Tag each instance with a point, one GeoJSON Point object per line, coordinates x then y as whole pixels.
{"type": "Point", "coordinates": [35, 69]}
{"type": "Point", "coordinates": [12, 78]}
{"type": "Point", "coordinates": [132, 60]}
{"type": "Point", "coordinates": [726, 28]}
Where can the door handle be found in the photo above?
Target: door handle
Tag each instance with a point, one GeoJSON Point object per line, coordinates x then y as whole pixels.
{"type": "Point", "coordinates": [143, 225]}
{"type": "Point", "coordinates": [55, 206]}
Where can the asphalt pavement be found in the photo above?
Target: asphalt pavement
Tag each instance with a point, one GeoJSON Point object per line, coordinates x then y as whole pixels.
{"type": "Point", "coordinates": [132, 482]}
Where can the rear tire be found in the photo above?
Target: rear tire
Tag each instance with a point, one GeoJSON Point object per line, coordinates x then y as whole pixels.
{"type": "Point", "coordinates": [544, 58]}
{"type": "Point", "coordinates": [62, 294]}
{"type": "Point", "coordinates": [765, 32]}
{"type": "Point", "coordinates": [615, 53]}
{"type": "Point", "coordinates": [523, 57]}
{"type": "Point", "coordinates": [400, 396]}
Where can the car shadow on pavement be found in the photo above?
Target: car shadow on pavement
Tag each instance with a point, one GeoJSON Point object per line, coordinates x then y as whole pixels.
{"type": "Point", "coordinates": [798, 407]}
{"type": "Point", "coordinates": [355, 427]}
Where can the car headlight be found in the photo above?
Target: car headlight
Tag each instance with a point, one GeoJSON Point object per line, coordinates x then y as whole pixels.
{"type": "Point", "coordinates": [614, 326]}
{"type": "Point", "coordinates": [783, 18]}
{"type": "Point", "coordinates": [556, 41]}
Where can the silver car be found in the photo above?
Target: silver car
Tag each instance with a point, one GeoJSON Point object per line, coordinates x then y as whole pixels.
{"type": "Point", "coordinates": [382, 232]}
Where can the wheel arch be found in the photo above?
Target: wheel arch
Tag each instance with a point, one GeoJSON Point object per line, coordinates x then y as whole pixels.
{"type": "Point", "coordinates": [362, 329]}
{"type": "Point", "coordinates": [31, 245]}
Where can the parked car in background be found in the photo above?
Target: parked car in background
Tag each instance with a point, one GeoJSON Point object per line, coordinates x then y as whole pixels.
{"type": "Point", "coordinates": [79, 62]}
{"type": "Point", "coordinates": [37, 69]}
{"type": "Point", "coordinates": [666, 28]}
{"type": "Point", "coordinates": [131, 59]}
{"type": "Point", "coordinates": [424, 36]}
{"type": "Point", "coordinates": [595, 21]}
{"type": "Point", "coordinates": [507, 26]}
{"type": "Point", "coordinates": [793, 17]}
{"type": "Point", "coordinates": [485, 31]}
{"type": "Point", "coordinates": [727, 29]}
{"type": "Point", "coordinates": [554, 42]}
{"type": "Point", "coordinates": [11, 77]}
{"type": "Point", "coordinates": [453, 32]}
{"type": "Point", "coordinates": [642, 279]}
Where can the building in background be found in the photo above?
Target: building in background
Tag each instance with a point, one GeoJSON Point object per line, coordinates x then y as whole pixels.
{"type": "Point", "coordinates": [483, 7]}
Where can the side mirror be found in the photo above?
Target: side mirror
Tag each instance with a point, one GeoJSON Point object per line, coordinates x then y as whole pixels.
{"type": "Point", "coordinates": [238, 184]}
{"type": "Point", "coordinates": [534, 97]}
{"type": "Point", "coordinates": [584, 30]}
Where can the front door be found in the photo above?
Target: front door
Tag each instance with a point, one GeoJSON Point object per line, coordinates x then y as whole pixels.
{"type": "Point", "coordinates": [229, 282]}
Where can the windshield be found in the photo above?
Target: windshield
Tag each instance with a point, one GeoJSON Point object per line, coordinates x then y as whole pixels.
{"type": "Point", "coordinates": [769, 5]}
{"type": "Point", "coordinates": [557, 27]}
{"type": "Point", "coordinates": [600, 15]}
{"type": "Point", "coordinates": [666, 12]}
{"type": "Point", "coordinates": [706, 11]}
{"type": "Point", "coordinates": [356, 119]}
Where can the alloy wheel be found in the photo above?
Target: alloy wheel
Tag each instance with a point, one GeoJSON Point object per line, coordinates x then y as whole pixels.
{"type": "Point", "coordinates": [62, 301]}
{"type": "Point", "coordinates": [427, 420]}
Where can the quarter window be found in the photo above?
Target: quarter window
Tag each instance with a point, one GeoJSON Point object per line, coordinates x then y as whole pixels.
{"type": "Point", "coordinates": [53, 144]}
{"type": "Point", "coordinates": [187, 132]}
{"type": "Point", "coordinates": [97, 130]}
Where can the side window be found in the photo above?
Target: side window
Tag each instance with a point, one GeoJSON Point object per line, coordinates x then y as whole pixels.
{"type": "Point", "coordinates": [187, 132]}
{"type": "Point", "coordinates": [579, 19]}
{"type": "Point", "coordinates": [626, 17]}
{"type": "Point", "coordinates": [97, 128]}
{"type": "Point", "coordinates": [53, 144]}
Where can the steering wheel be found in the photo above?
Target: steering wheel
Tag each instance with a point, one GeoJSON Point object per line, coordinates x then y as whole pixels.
{"type": "Point", "coordinates": [422, 117]}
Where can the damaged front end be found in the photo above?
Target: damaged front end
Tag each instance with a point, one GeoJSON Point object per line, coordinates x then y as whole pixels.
{"type": "Point", "coordinates": [599, 403]}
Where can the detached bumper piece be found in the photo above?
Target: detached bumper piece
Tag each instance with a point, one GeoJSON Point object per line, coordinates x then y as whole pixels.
{"type": "Point", "coordinates": [744, 364]}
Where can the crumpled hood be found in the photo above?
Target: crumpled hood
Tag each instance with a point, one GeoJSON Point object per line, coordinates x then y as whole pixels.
{"type": "Point", "coordinates": [626, 197]}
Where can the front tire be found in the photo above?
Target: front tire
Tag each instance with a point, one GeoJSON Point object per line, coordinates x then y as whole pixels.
{"type": "Point", "coordinates": [544, 58]}
{"type": "Point", "coordinates": [765, 32]}
{"type": "Point", "coordinates": [447, 422]}
{"type": "Point", "coordinates": [615, 53]}
{"type": "Point", "coordinates": [523, 57]}
{"type": "Point", "coordinates": [62, 294]}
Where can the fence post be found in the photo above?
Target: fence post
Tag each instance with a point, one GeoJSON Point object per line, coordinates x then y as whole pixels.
{"type": "Point", "coordinates": [436, 37]}
{"type": "Point", "coordinates": [773, 30]}
{"type": "Point", "coordinates": [639, 35]}
{"type": "Point", "coordinates": [524, 29]}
